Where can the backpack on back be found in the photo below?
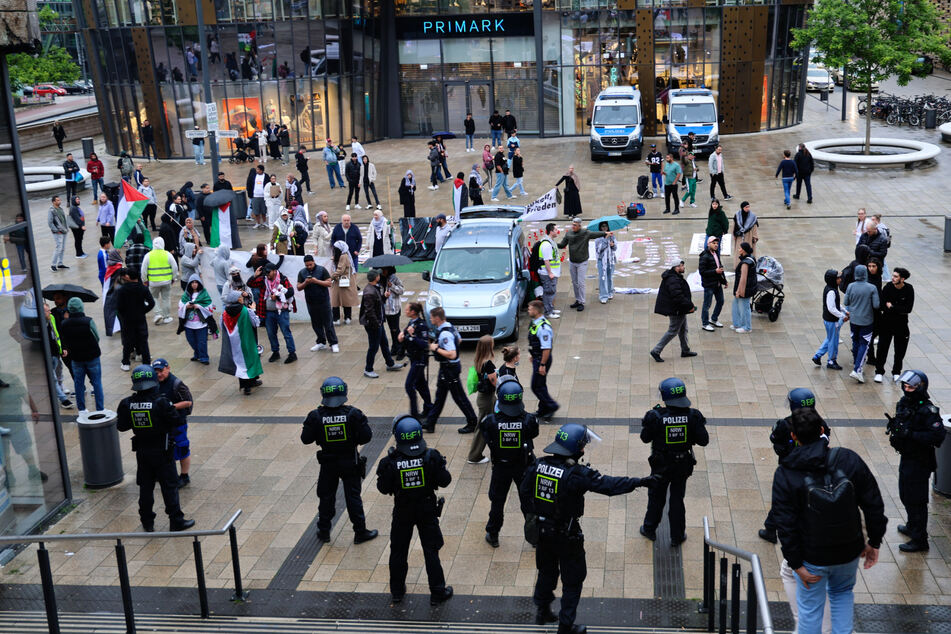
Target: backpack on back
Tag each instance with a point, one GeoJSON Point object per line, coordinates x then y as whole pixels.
{"type": "Point", "coordinates": [832, 511]}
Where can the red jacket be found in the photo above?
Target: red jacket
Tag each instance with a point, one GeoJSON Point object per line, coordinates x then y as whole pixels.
{"type": "Point", "coordinates": [96, 168]}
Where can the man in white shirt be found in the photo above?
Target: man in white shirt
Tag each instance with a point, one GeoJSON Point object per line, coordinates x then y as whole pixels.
{"type": "Point", "coordinates": [442, 231]}
{"type": "Point", "coordinates": [357, 148]}
{"type": "Point", "coordinates": [549, 270]}
{"type": "Point", "coordinates": [256, 189]}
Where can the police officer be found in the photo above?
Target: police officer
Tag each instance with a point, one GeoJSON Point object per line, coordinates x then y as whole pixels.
{"type": "Point", "coordinates": [153, 421]}
{"type": "Point", "coordinates": [508, 433]}
{"type": "Point", "coordinates": [415, 340]}
{"type": "Point", "coordinates": [672, 429]}
{"type": "Point", "coordinates": [447, 353]}
{"type": "Point", "coordinates": [175, 390]}
{"type": "Point", "coordinates": [540, 339]}
{"type": "Point", "coordinates": [552, 499]}
{"type": "Point", "coordinates": [339, 430]}
{"type": "Point", "coordinates": [914, 432]}
{"type": "Point", "coordinates": [783, 444]}
{"type": "Point", "coordinates": [412, 473]}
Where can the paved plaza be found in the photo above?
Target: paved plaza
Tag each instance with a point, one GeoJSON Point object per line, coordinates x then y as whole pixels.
{"type": "Point", "coordinates": [246, 451]}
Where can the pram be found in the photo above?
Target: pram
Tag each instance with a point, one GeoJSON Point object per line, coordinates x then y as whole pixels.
{"type": "Point", "coordinates": [769, 294]}
{"type": "Point", "coordinates": [240, 155]}
{"type": "Point", "coordinates": [644, 187]}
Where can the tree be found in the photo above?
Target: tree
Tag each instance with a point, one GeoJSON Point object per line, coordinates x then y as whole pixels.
{"type": "Point", "coordinates": [874, 39]}
{"type": "Point", "coordinates": [56, 65]}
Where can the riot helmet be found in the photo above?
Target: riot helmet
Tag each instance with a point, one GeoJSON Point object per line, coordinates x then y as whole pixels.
{"type": "Point", "coordinates": [571, 440]}
{"type": "Point", "coordinates": [800, 397]}
{"type": "Point", "coordinates": [510, 398]}
{"type": "Point", "coordinates": [333, 392]}
{"type": "Point", "coordinates": [916, 379]}
{"type": "Point", "coordinates": [674, 392]}
{"type": "Point", "coordinates": [408, 433]}
{"type": "Point", "coordinates": [143, 378]}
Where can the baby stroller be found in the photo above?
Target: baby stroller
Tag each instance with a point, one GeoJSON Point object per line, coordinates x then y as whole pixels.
{"type": "Point", "coordinates": [769, 295]}
{"type": "Point", "coordinates": [240, 154]}
{"type": "Point", "coordinates": [644, 187]}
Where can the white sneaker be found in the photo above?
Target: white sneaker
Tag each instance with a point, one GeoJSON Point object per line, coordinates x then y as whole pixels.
{"type": "Point", "coordinates": [335, 348]}
{"type": "Point", "coordinates": [337, 323]}
{"type": "Point", "coordinates": [858, 377]}
{"type": "Point", "coordinates": [895, 377]}
{"type": "Point", "coordinates": [718, 324]}
{"type": "Point", "coordinates": [348, 207]}
{"type": "Point", "coordinates": [371, 374]}
{"type": "Point", "coordinates": [431, 187]}
{"type": "Point", "coordinates": [495, 200]}
{"type": "Point", "coordinates": [708, 328]}
{"type": "Point", "coordinates": [603, 301]}
{"type": "Point", "coordinates": [319, 346]}
{"type": "Point", "coordinates": [357, 206]}
{"type": "Point", "coordinates": [556, 311]}
{"type": "Point", "coordinates": [158, 318]}
{"type": "Point", "coordinates": [84, 412]}
{"type": "Point", "coordinates": [554, 316]}
{"type": "Point", "coordinates": [347, 321]}
{"type": "Point", "coordinates": [732, 327]}
{"type": "Point", "coordinates": [379, 206]}
{"type": "Point", "coordinates": [694, 205]}
{"type": "Point", "coordinates": [124, 367]}
{"type": "Point", "coordinates": [167, 320]}
{"type": "Point", "coordinates": [878, 378]}
{"type": "Point", "coordinates": [435, 186]}
{"type": "Point", "coordinates": [484, 460]}
{"type": "Point", "coordinates": [742, 331]}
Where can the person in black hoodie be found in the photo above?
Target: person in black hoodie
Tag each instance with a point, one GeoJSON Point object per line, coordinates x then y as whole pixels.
{"type": "Point", "coordinates": [833, 317]}
{"type": "Point", "coordinates": [301, 158]}
{"type": "Point", "coordinates": [713, 280]}
{"type": "Point", "coordinates": [898, 300]}
{"type": "Point", "coordinates": [133, 301]}
{"type": "Point", "coordinates": [822, 539]}
{"type": "Point", "coordinates": [804, 168]}
{"type": "Point", "coordinates": [848, 273]}
{"type": "Point", "coordinates": [674, 301]}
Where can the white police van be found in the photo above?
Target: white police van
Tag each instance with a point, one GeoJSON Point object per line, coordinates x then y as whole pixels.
{"type": "Point", "coordinates": [692, 110]}
{"type": "Point", "coordinates": [616, 123]}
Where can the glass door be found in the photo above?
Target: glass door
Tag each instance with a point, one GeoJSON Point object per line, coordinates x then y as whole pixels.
{"type": "Point", "coordinates": [462, 97]}
{"type": "Point", "coordinates": [480, 105]}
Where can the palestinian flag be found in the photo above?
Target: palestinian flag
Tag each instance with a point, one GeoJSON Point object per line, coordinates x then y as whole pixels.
{"type": "Point", "coordinates": [131, 206]}
{"type": "Point", "coordinates": [109, 313]}
{"type": "Point", "coordinates": [460, 197]}
{"type": "Point", "coordinates": [221, 227]}
{"type": "Point", "coordinates": [239, 349]}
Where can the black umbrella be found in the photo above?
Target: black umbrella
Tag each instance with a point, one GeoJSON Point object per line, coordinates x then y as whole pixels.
{"type": "Point", "coordinates": [219, 198]}
{"type": "Point", "coordinates": [388, 259]}
{"type": "Point", "coordinates": [445, 135]}
{"type": "Point", "coordinates": [70, 290]}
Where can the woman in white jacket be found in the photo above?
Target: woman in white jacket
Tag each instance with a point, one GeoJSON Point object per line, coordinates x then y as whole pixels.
{"type": "Point", "coordinates": [368, 177]}
{"type": "Point", "coordinates": [379, 240]}
{"type": "Point", "coordinates": [321, 233]}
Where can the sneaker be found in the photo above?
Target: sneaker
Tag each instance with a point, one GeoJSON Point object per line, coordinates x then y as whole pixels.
{"type": "Point", "coordinates": [62, 266]}
{"type": "Point", "coordinates": [124, 367]}
{"type": "Point", "coordinates": [82, 257]}
{"type": "Point", "coordinates": [348, 207]}
{"type": "Point", "coordinates": [742, 331]}
{"type": "Point", "coordinates": [858, 377]}
{"type": "Point", "coordinates": [788, 206]}
{"type": "Point", "coordinates": [817, 361]}
{"type": "Point", "coordinates": [484, 460]}
{"type": "Point", "coordinates": [167, 320]}
{"type": "Point", "coordinates": [732, 327]}
{"type": "Point", "coordinates": [346, 321]}
{"type": "Point", "coordinates": [370, 374]}
{"type": "Point", "coordinates": [396, 367]}
{"type": "Point", "coordinates": [379, 206]}
{"type": "Point", "coordinates": [728, 197]}
{"type": "Point", "coordinates": [603, 301]}
{"type": "Point", "coordinates": [436, 186]}
{"type": "Point", "coordinates": [183, 481]}
{"type": "Point", "coordinates": [66, 404]}
{"type": "Point", "coordinates": [82, 412]}
{"type": "Point", "coordinates": [335, 348]}
{"type": "Point", "coordinates": [357, 206]}
{"type": "Point", "coordinates": [708, 328]}
{"type": "Point", "coordinates": [431, 187]}
{"type": "Point", "coordinates": [275, 356]}
{"type": "Point", "coordinates": [717, 324]}
{"type": "Point", "coordinates": [495, 200]}
{"type": "Point", "coordinates": [554, 316]}
{"type": "Point", "coordinates": [694, 205]}
{"type": "Point", "coordinates": [895, 377]}
{"type": "Point", "coordinates": [291, 358]}
{"type": "Point", "coordinates": [319, 346]}
{"type": "Point", "coordinates": [656, 356]}
{"type": "Point", "coordinates": [157, 319]}
{"type": "Point", "coordinates": [54, 269]}
{"type": "Point", "coordinates": [832, 365]}
{"type": "Point", "coordinates": [337, 322]}
{"type": "Point", "coordinates": [878, 378]}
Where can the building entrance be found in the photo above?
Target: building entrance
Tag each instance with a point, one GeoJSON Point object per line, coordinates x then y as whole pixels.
{"type": "Point", "coordinates": [468, 96]}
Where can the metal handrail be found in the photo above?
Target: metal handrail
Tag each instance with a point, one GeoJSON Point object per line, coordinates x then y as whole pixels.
{"type": "Point", "coordinates": [756, 573]}
{"type": "Point", "coordinates": [31, 539]}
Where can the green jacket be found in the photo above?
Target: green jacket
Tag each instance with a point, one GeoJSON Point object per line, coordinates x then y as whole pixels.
{"type": "Point", "coordinates": [577, 243]}
{"type": "Point", "coordinates": [717, 224]}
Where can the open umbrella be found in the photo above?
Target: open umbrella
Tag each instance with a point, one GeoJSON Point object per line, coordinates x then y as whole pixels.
{"type": "Point", "coordinates": [388, 259]}
{"type": "Point", "coordinates": [70, 290]}
{"type": "Point", "coordinates": [615, 222]}
{"type": "Point", "coordinates": [445, 135]}
{"type": "Point", "coordinates": [218, 198]}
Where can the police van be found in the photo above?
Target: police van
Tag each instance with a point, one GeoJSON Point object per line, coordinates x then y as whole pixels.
{"type": "Point", "coordinates": [616, 123]}
{"type": "Point", "coordinates": [692, 110]}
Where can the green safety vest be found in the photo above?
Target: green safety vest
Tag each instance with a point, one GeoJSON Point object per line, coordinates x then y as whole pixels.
{"type": "Point", "coordinates": [160, 270]}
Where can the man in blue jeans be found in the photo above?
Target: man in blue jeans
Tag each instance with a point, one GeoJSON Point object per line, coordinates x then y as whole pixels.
{"type": "Point", "coordinates": [333, 167]}
{"type": "Point", "coordinates": [861, 303]}
{"type": "Point", "coordinates": [787, 167]}
{"type": "Point", "coordinates": [80, 341]}
{"type": "Point", "coordinates": [277, 297]}
{"type": "Point", "coordinates": [821, 534]}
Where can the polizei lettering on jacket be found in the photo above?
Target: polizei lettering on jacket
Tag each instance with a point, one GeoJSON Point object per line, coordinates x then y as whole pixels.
{"type": "Point", "coordinates": [146, 405]}
{"type": "Point", "coordinates": [409, 464]}
{"type": "Point", "coordinates": [676, 420]}
{"type": "Point", "coordinates": [329, 420]}
{"type": "Point", "coordinates": [550, 470]}
{"type": "Point", "coordinates": [510, 426]}
{"type": "Point", "coordinates": [464, 26]}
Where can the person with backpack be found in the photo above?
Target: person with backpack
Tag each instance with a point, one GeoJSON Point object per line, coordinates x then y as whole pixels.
{"type": "Point", "coordinates": [546, 263]}
{"type": "Point", "coordinates": [817, 495]}
{"type": "Point", "coordinates": [744, 285]}
{"type": "Point", "coordinates": [446, 351]}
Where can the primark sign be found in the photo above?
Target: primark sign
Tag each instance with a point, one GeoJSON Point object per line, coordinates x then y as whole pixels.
{"type": "Point", "coordinates": [480, 25]}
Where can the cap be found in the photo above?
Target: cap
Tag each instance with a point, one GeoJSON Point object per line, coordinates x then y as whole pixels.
{"type": "Point", "coordinates": [270, 266]}
{"type": "Point", "coordinates": [653, 145]}
{"type": "Point", "coordinates": [576, 220]}
{"type": "Point", "coordinates": [440, 217]}
{"type": "Point", "coordinates": [159, 364]}
{"type": "Point", "coordinates": [308, 258]}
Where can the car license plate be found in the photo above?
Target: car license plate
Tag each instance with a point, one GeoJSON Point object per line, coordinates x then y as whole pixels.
{"type": "Point", "coordinates": [614, 154]}
{"type": "Point", "coordinates": [469, 328]}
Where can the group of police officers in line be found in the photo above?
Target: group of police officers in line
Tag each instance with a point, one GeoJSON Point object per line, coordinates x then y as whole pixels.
{"type": "Point", "coordinates": [551, 488]}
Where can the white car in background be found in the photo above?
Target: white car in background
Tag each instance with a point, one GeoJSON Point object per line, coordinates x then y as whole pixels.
{"type": "Point", "coordinates": [818, 78]}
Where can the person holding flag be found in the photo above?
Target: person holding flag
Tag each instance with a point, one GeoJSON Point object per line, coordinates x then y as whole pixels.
{"type": "Point", "coordinates": [110, 284]}
{"type": "Point", "coordinates": [460, 194]}
{"type": "Point", "coordinates": [239, 349]}
{"type": "Point", "coordinates": [224, 231]}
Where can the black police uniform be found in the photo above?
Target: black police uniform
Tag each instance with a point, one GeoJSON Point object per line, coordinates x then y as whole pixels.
{"type": "Point", "coordinates": [416, 346]}
{"type": "Point", "coordinates": [153, 421]}
{"type": "Point", "coordinates": [413, 480]}
{"type": "Point", "coordinates": [448, 381]}
{"type": "Point", "coordinates": [672, 432]}
{"type": "Point", "coordinates": [509, 439]}
{"type": "Point", "coordinates": [783, 444]}
{"type": "Point", "coordinates": [553, 489]}
{"type": "Point", "coordinates": [338, 431]}
{"type": "Point", "coordinates": [918, 430]}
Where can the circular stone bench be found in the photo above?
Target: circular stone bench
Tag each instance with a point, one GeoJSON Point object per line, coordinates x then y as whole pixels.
{"type": "Point", "coordinates": [945, 130]}
{"type": "Point", "coordinates": [920, 152]}
{"type": "Point", "coordinates": [58, 182]}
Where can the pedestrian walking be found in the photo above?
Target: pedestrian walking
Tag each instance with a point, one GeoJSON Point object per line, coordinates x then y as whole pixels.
{"type": "Point", "coordinates": [713, 281]}
{"type": "Point", "coordinates": [469, 125]}
{"type": "Point", "coordinates": [897, 301]}
{"type": "Point", "coordinates": [372, 319]}
{"type": "Point", "coordinates": [745, 229]}
{"type": "Point", "coordinates": [195, 313]}
{"type": "Point", "coordinates": [97, 172]}
{"type": "Point", "coordinates": [147, 137]}
{"type": "Point", "coordinates": [239, 349]}
{"type": "Point", "coordinates": [518, 169]}
{"type": "Point", "coordinates": [484, 365]}
{"type": "Point", "coordinates": [718, 225]}
{"type": "Point", "coordinates": [415, 341]}
{"type": "Point", "coordinates": [339, 430]}
{"type": "Point", "coordinates": [56, 221]}
{"type": "Point", "coordinates": [331, 155]}
{"type": "Point", "coordinates": [672, 175]}
{"type": "Point", "coordinates": [434, 168]}
{"type": "Point", "coordinates": [133, 303]}
{"type": "Point", "coordinates": [495, 128]}
{"type": "Point", "coordinates": [393, 287]}
{"type": "Point", "coordinates": [76, 221]}
{"type": "Point", "coordinates": [314, 280]}
{"type": "Point", "coordinates": [715, 167]}
{"type": "Point", "coordinates": [352, 172]}
{"type": "Point", "coordinates": [284, 138]}
{"type": "Point", "coordinates": [446, 349]}
{"type": "Point", "coordinates": [832, 318]}
{"type": "Point", "coordinates": [443, 157]}
{"type": "Point", "coordinates": [59, 134]}
{"type": "Point", "coordinates": [407, 192]}
{"type": "Point", "coordinates": [276, 301]}
{"type": "Point", "coordinates": [804, 168]}
{"type": "Point", "coordinates": [80, 341]}
{"type": "Point", "coordinates": [125, 166]}
{"type": "Point", "coordinates": [744, 286]}
{"type": "Point", "coordinates": [301, 160]}
{"type": "Point", "coordinates": [787, 167]}
{"type": "Point", "coordinates": [175, 390]}
{"type": "Point", "coordinates": [501, 175]}
{"type": "Point", "coordinates": [541, 339]}
{"type": "Point", "coordinates": [861, 301]}
{"type": "Point", "coordinates": [572, 183]}
{"type": "Point", "coordinates": [689, 167]}
{"type": "Point", "coordinates": [512, 144]}
{"type": "Point", "coordinates": [675, 303]}
{"type": "Point", "coordinates": [576, 239]}
{"type": "Point", "coordinates": [368, 180]}
{"type": "Point", "coordinates": [488, 164]}
{"type": "Point", "coordinates": [343, 290]}
{"type": "Point", "coordinates": [605, 249]}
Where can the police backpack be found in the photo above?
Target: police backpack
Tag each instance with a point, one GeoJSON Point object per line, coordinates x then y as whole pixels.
{"type": "Point", "coordinates": [832, 511]}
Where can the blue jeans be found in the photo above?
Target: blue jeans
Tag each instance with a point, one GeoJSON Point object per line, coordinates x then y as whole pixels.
{"type": "Point", "coordinates": [861, 339]}
{"type": "Point", "coordinates": [742, 313]}
{"type": "Point", "coordinates": [97, 186]}
{"type": "Point", "coordinates": [501, 182]}
{"type": "Point", "coordinates": [838, 581]}
{"type": "Point", "coordinates": [709, 294]}
{"type": "Point", "coordinates": [93, 369]}
{"type": "Point", "coordinates": [332, 170]}
{"type": "Point", "coordinates": [657, 181]}
{"type": "Point", "coordinates": [199, 154]}
{"type": "Point", "coordinates": [469, 141]}
{"type": "Point", "coordinates": [198, 339]}
{"type": "Point", "coordinates": [605, 281]}
{"type": "Point", "coordinates": [521, 187]}
{"type": "Point", "coordinates": [274, 320]}
{"type": "Point", "coordinates": [831, 343]}
{"type": "Point", "coordinates": [496, 139]}
{"type": "Point", "coordinates": [787, 183]}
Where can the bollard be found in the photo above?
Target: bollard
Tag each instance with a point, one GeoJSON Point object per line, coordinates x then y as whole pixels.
{"type": "Point", "coordinates": [125, 587]}
{"type": "Point", "coordinates": [49, 595]}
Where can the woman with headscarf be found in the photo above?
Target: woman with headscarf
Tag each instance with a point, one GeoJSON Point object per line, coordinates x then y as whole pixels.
{"type": "Point", "coordinates": [322, 232]}
{"type": "Point", "coordinates": [745, 229]}
{"type": "Point", "coordinates": [301, 228]}
{"type": "Point", "coordinates": [604, 250]}
{"type": "Point", "coordinates": [195, 314]}
{"type": "Point", "coordinates": [76, 221]}
{"type": "Point", "coordinates": [380, 238]}
{"type": "Point", "coordinates": [488, 164]}
{"type": "Point", "coordinates": [717, 222]}
{"type": "Point", "coordinates": [572, 192]}
{"type": "Point", "coordinates": [343, 290]}
{"type": "Point", "coordinates": [407, 193]}
{"type": "Point", "coordinates": [168, 231]}
{"type": "Point", "coordinates": [239, 350]}
{"type": "Point", "coordinates": [283, 233]}
{"type": "Point", "coordinates": [475, 185]}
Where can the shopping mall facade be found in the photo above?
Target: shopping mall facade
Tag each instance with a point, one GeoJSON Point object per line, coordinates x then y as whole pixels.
{"type": "Point", "coordinates": [384, 69]}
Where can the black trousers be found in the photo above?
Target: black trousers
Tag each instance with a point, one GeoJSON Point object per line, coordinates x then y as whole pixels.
{"type": "Point", "coordinates": [887, 333]}
{"type": "Point", "coordinates": [560, 556]}
{"type": "Point", "coordinates": [71, 189]}
{"type": "Point", "coordinates": [135, 338]}
{"type": "Point", "coordinates": [353, 193]}
{"type": "Point", "coordinates": [416, 382]}
{"type": "Point", "coordinates": [676, 481]}
{"type": "Point", "coordinates": [108, 231]}
{"type": "Point", "coordinates": [347, 312]}
{"type": "Point", "coordinates": [157, 466]}
{"type": "Point", "coordinates": [376, 341]}
{"type": "Point", "coordinates": [305, 178]}
{"type": "Point", "coordinates": [322, 321]}
{"type": "Point", "coordinates": [913, 480]}
{"type": "Point", "coordinates": [330, 475]}
{"type": "Point", "coordinates": [448, 383]}
{"type": "Point", "coordinates": [420, 515]}
{"type": "Point", "coordinates": [714, 179]}
{"type": "Point", "coordinates": [671, 191]}
{"type": "Point", "coordinates": [503, 476]}
{"type": "Point", "coordinates": [546, 404]}
{"type": "Point", "coordinates": [393, 323]}
{"type": "Point", "coordinates": [78, 240]}
{"type": "Point", "coordinates": [148, 218]}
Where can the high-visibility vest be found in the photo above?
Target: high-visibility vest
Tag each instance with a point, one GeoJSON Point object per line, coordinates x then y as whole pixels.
{"type": "Point", "coordinates": [57, 342]}
{"type": "Point", "coordinates": [160, 269]}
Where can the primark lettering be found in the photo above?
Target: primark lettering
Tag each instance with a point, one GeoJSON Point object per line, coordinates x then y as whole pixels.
{"type": "Point", "coordinates": [480, 27]}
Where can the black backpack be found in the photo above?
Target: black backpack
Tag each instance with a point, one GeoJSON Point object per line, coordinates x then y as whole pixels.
{"type": "Point", "coordinates": [832, 511]}
{"type": "Point", "coordinates": [535, 257]}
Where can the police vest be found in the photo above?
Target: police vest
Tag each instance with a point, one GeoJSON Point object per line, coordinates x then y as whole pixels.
{"type": "Point", "coordinates": [335, 433]}
{"type": "Point", "coordinates": [149, 423]}
{"type": "Point", "coordinates": [552, 503]}
{"type": "Point", "coordinates": [159, 269]}
{"type": "Point", "coordinates": [534, 342]}
{"type": "Point", "coordinates": [421, 330]}
{"type": "Point", "coordinates": [57, 342]}
{"type": "Point", "coordinates": [456, 337]}
{"type": "Point", "coordinates": [675, 438]}
{"type": "Point", "coordinates": [415, 475]}
{"type": "Point", "coordinates": [505, 439]}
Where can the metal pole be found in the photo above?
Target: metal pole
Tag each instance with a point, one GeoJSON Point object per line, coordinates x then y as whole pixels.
{"type": "Point", "coordinates": [723, 590]}
{"type": "Point", "coordinates": [711, 590]}
{"type": "Point", "coordinates": [125, 587]}
{"type": "Point", "coordinates": [200, 575]}
{"type": "Point", "coordinates": [735, 600]}
{"type": "Point", "coordinates": [49, 596]}
{"type": "Point", "coordinates": [206, 83]}
{"type": "Point", "coordinates": [704, 604]}
{"type": "Point", "coordinates": [239, 594]}
{"type": "Point", "coordinates": [845, 90]}
{"type": "Point", "coordinates": [750, 604]}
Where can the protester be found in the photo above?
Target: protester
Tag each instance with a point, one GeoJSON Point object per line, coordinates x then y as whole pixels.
{"type": "Point", "coordinates": [442, 231]}
{"type": "Point", "coordinates": [675, 303]}
{"type": "Point", "coordinates": [372, 320]}
{"type": "Point", "coordinates": [475, 186]}
{"type": "Point", "coordinates": [255, 187]}
{"type": "Point", "coordinates": [275, 304]}
{"type": "Point", "coordinates": [897, 302]}
{"type": "Point", "coordinates": [135, 254]}
{"type": "Point", "coordinates": [407, 192]}
{"type": "Point", "coordinates": [861, 301]}
{"type": "Point", "coordinates": [744, 285]}
{"type": "Point", "coordinates": [572, 192]}
{"type": "Point", "coordinates": [518, 170]}
{"type": "Point", "coordinates": [605, 249]}
{"type": "Point", "coordinates": [221, 265]}
{"type": "Point", "coordinates": [488, 164]}
{"type": "Point", "coordinates": [435, 176]}
{"type": "Point", "coordinates": [832, 317]}
{"type": "Point", "coordinates": [484, 364]}
{"type": "Point", "coordinates": [380, 235]}
{"type": "Point", "coordinates": [392, 288]}
{"type": "Point", "coordinates": [80, 340]}
{"type": "Point", "coordinates": [133, 302]}
{"type": "Point", "coordinates": [804, 168]}
{"type": "Point", "coordinates": [501, 175]}
{"type": "Point", "coordinates": [349, 233]}
{"type": "Point", "coordinates": [314, 280]}
{"type": "Point", "coordinates": [239, 357]}
{"type": "Point", "coordinates": [282, 234]}
{"type": "Point", "coordinates": [195, 313]}
{"type": "Point", "coordinates": [190, 263]}
{"type": "Point", "coordinates": [158, 272]}
{"type": "Point", "coordinates": [343, 291]}
{"type": "Point", "coordinates": [273, 201]}
{"type": "Point", "coordinates": [576, 239]}
{"type": "Point", "coordinates": [713, 281]}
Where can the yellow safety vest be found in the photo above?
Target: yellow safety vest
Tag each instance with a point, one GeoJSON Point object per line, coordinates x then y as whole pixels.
{"type": "Point", "coordinates": [56, 339]}
{"type": "Point", "coordinates": [160, 270]}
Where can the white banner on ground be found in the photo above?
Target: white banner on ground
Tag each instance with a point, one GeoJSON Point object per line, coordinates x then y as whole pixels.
{"type": "Point", "coordinates": [545, 208]}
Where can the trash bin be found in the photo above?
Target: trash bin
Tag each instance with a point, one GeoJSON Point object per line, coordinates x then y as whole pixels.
{"type": "Point", "coordinates": [942, 475]}
{"type": "Point", "coordinates": [99, 446]}
{"type": "Point", "coordinates": [88, 147]}
{"type": "Point", "coordinates": [823, 95]}
{"type": "Point", "coordinates": [931, 118]}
